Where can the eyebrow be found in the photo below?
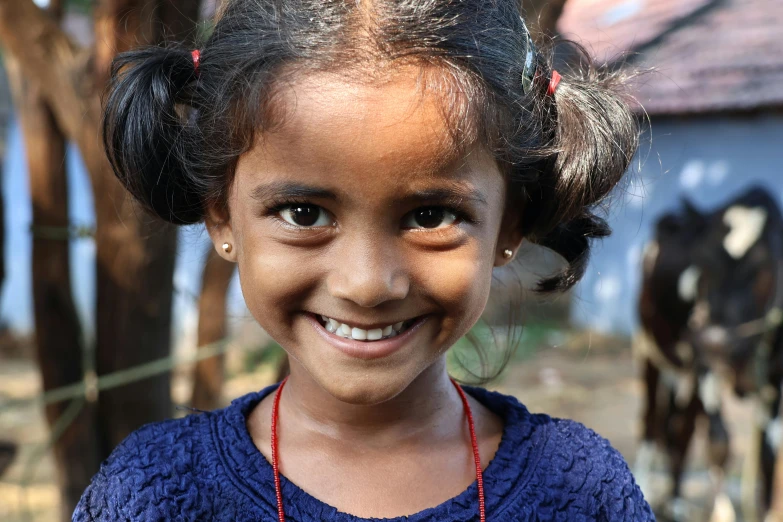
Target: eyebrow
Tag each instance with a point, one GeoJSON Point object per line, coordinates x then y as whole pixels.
{"type": "Point", "coordinates": [289, 190]}
{"type": "Point", "coordinates": [454, 194]}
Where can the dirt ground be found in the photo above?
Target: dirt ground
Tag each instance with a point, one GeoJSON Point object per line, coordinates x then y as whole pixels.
{"type": "Point", "coordinates": [587, 381]}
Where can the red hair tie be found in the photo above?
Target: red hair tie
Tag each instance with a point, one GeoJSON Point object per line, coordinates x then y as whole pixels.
{"type": "Point", "coordinates": [196, 59]}
{"type": "Point", "coordinates": [554, 81]}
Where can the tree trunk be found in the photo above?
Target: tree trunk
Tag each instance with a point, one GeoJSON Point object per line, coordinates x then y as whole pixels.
{"type": "Point", "coordinates": [212, 319]}
{"type": "Point", "coordinates": [58, 330]}
{"type": "Point", "coordinates": [134, 253]}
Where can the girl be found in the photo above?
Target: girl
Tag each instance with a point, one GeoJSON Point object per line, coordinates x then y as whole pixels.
{"type": "Point", "coordinates": [368, 164]}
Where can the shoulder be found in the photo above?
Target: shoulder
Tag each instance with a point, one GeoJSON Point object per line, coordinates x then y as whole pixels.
{"type": "Point", "coordinates": [559, 468]}
{"type": "Point", "coordinates": [153, 469]}
{"type": "Point", "coordinates": [582, 471]}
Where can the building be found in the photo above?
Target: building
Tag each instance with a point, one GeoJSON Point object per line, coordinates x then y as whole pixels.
{"type": "Point", "coordinates": [713, 97]}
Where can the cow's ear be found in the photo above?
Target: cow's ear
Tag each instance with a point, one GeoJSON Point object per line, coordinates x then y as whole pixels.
{"type": "Point", "coordinates": [691, 210]}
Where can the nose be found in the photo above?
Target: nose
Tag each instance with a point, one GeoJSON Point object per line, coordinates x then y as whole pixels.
{"type": "Point", "coordinates": [368, 271]}
{"type": "Point", "coordinates": [714, 339]}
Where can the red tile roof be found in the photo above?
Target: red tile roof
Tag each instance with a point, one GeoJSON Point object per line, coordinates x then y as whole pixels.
{"type": "Point", "coordinates": [708, 55]}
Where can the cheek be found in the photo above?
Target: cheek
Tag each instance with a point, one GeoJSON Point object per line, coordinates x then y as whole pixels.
{"type": "Point", "coordinates": [269, 276]}
{"type": "Point", "coordinates": [460, 284]}
{"type": "Point", "coordinates": [274, 281]}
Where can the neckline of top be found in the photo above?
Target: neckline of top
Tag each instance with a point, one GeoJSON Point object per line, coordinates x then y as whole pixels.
{"type": "Point", "coordinates": [251, 472]}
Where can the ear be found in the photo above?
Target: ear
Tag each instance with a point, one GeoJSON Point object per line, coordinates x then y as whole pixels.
{"type": "Point", "coordinates": [510, 237]}
{"type": "Point", "coordinates": [691, 210]}
{"type": "Point", "coordinates": [218, 225]}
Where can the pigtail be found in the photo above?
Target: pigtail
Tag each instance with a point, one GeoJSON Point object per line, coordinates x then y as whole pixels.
{"type": "Point", "coordinates": [146, 133]}
{"type": "Point", "coordinates": [572, 241]}
{"type": "Point", "coordinates": [593, 135]}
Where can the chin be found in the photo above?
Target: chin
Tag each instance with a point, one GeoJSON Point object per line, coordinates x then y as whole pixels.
{"type": "Point", "coordinates": [368, 389]}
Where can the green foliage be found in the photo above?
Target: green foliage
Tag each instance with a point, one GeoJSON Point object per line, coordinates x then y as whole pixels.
{"type": "Point", "coordinates": [486, 348]}
{"type": "Point", "coordinates": [204, 30]}
{"type": "Point", "coordinates": [269, 354]}
{"type": "Point", "coordinates": [80, 6]}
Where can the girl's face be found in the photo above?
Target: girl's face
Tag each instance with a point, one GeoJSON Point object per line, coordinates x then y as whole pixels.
{"type": "Point", "coordinates": [355, 208]}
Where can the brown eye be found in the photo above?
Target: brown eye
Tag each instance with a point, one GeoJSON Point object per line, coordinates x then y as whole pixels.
{"type": "Point", "coordinates": [429, 218]}
{"type": "Point", "coordinates": [305, 216]}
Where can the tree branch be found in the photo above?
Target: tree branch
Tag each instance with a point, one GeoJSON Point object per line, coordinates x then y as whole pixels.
{"type": "Point", "coordinates": [542, 16]}
{"type": "Point", "coordinates": [121, 25]}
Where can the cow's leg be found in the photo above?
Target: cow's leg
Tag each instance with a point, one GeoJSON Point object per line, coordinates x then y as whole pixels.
{"type": "Point", "coordinates": [710, 389]}
{"type": "Point", "coordinates": [652, 377]}
{"type": "Point", "coordinates": [718, 448]}
{"type": "Point", "coordinates": [771, 443]}
{"type": "Point", "coordinates": [679, 431]}
{"type": "Point", "coordinates": [648, 450]}
{"type": "Point", "coordinates": [718, 455]}
{"type": "Point", "coordinates": [7, 453]}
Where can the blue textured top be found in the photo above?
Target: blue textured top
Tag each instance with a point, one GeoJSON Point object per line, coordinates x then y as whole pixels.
{"type": "Point", "coordinates": [206, 467]}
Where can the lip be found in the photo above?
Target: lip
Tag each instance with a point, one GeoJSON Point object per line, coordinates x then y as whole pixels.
{"type": "Point", "coordinates": [357, 324]}
{"type": "Point", "coordinates": [363, 349]}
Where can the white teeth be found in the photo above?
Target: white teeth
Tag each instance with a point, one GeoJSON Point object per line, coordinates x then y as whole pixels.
{"type": "Point", "coordinates": [360, 334]}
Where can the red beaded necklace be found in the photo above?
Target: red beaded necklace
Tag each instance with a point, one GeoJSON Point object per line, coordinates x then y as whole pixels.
{"type": "Point", "coordinates": [473, 442]}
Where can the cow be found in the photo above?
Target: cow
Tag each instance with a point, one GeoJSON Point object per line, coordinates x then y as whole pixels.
{"type": "Point", "coordinates": [709, 306]}
{"type": "Point", "coordinates": [666, 301]}
{"type": "Point", "coordinates": [736, 327]}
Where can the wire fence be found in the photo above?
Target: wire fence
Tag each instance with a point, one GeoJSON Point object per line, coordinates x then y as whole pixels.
{"type": "Point", "coordinates": [78, 395]}
{"type": "Point", "coordinates": [92, 385]}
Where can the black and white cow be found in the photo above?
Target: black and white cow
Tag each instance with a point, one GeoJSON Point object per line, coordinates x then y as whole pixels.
{"type": "Point", "coordinates": [666, 301]}
{"type": "Point", "coordinates": [709, 311]}
{"type": "Point", "coordinates": [737, 322]}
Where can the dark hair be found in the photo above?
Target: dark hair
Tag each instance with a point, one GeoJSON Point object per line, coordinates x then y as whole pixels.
{"type": "Point", "coordinates": [174, 136]}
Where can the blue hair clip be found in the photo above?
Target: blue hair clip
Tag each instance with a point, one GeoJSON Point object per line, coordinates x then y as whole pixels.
{"type": "Point", "coordinates": [529, 70]}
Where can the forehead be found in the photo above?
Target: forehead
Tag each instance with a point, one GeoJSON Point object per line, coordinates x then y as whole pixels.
{"type": "Point", "coordinates": [331, 125]}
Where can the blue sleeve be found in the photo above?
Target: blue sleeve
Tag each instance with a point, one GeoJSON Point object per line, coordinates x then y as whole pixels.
{"type": "Point", "coordinates": [621, 499]}
{"type": "Point", "coordinates": [94, 505]}
{"type": "Point", "coordinates": [149, 476]}
{"type": "Point", "coordinates": [108, 497]}
{"type": "Point", "coordinates": [594, 477]}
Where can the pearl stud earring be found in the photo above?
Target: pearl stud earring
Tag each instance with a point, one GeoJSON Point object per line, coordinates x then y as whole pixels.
{"type": "Point", "coordinates": [507, 253]}
{"type": "Point", "coordinates": [227, 248]}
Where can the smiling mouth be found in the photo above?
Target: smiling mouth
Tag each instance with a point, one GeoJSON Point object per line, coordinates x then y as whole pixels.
{"type": "Point", "coordinates": [348, 331]}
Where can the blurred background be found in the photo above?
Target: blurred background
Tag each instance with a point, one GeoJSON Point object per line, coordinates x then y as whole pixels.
{"type": "Point", "coordinates": [109, 320]}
